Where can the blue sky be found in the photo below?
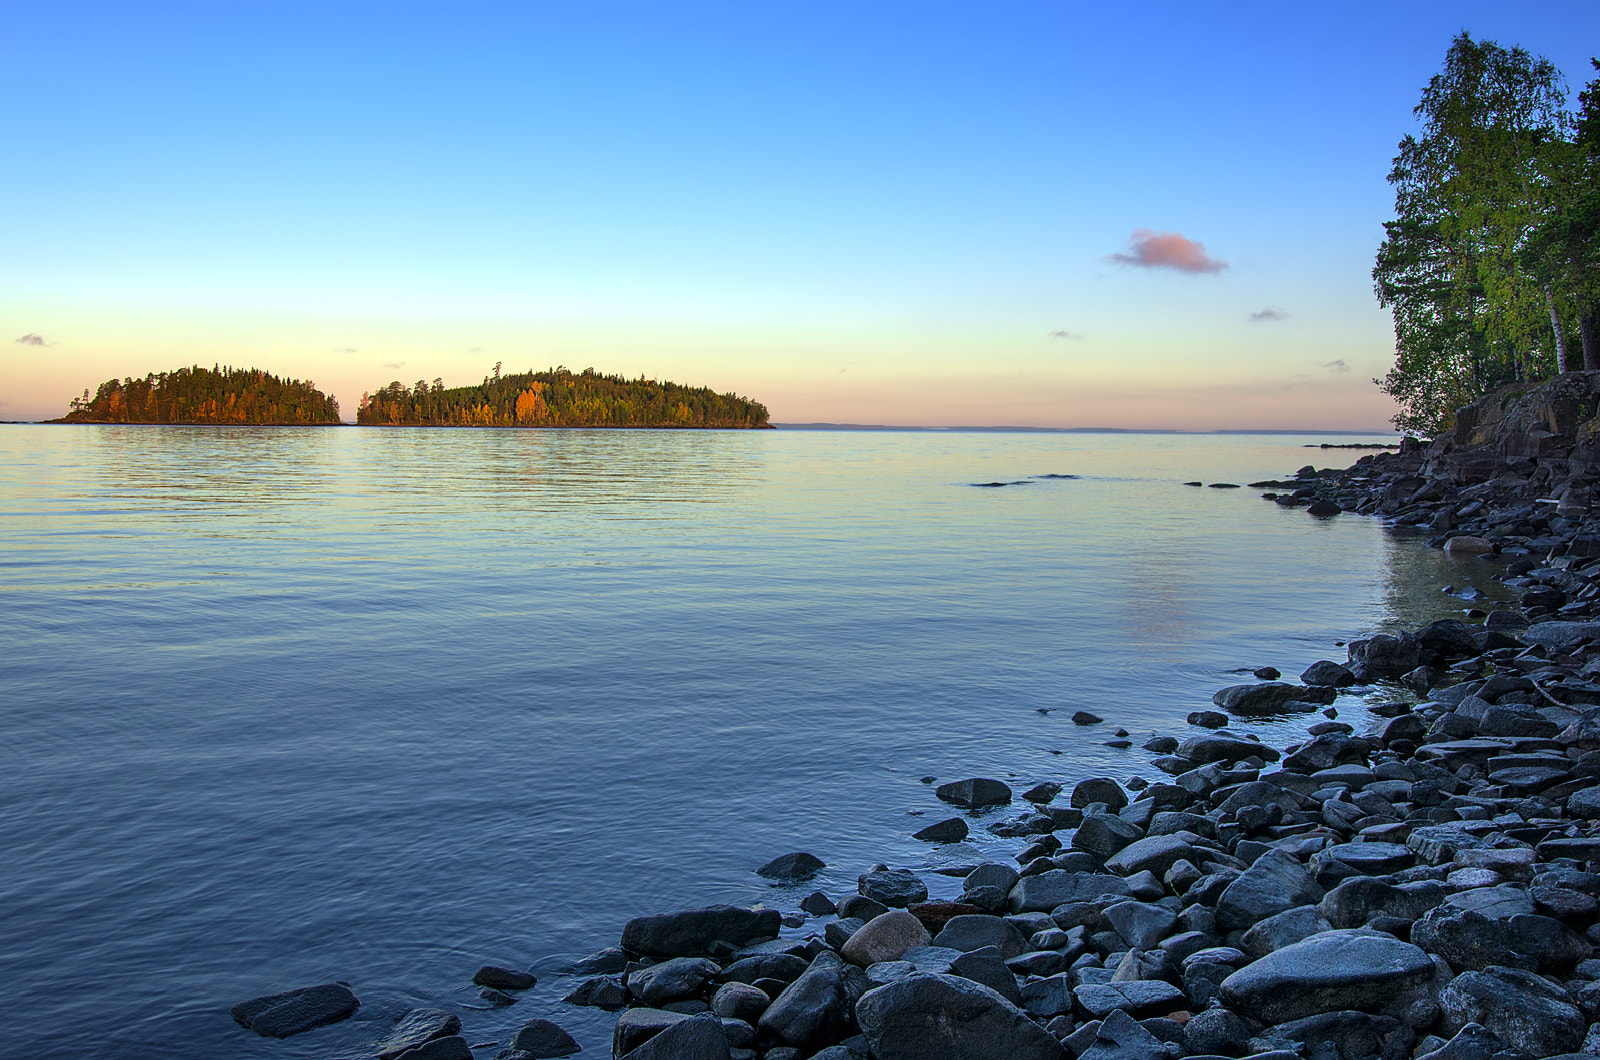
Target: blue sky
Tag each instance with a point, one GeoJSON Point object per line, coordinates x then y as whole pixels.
{"type": "Point", "coordinates": [884, 213]}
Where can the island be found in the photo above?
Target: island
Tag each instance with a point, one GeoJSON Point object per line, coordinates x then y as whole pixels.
{"type": "Point", "coordinates": [206, 395]}
{"type": "Point", "coordinates": [558, 397]}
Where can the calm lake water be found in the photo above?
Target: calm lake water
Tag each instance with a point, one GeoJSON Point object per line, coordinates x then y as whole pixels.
{"type": "Point", "coordinates": [283, 706]}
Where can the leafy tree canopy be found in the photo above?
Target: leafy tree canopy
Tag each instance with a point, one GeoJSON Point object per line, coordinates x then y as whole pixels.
{"type": "Point", "coordinates": [205, 395]}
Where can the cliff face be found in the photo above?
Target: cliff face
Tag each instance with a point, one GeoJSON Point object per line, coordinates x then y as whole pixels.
{"type": "Point", "coordinates": [1523, 420]}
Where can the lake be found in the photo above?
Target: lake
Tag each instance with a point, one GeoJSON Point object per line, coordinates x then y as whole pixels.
{"type": "Point", "coordinates": [283, 706]}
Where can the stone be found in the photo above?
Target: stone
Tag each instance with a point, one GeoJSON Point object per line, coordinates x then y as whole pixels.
{"type": "Point", "coordinates": [785, 967]}
{"type": "Point", "coordinates": [608, 961]}
{"type": "Point", "coordinates": [1156, 854]}
{"type": "Point", "coordinates": [1324, 672]}
{"type": "Point", "coordinates": [814, 1010]}
{"type": "Point", "coordinates": [1140, 924]}
{"type": "Point", "coordinates": [950, 830]}
{"type": "Point", "coordinates": [599, 991]}
{"type": "Point", "coordinates": [991, 874]}
{"type": "Point", "coordinates": [498, 978]}
{"type": "Point", "coordinates": [1371, 859]}
{"type": "Point", "coordinates": [886, 938]}
{"type": "Point", "coordinates": [1274, 883]}
{"type": "Point", "coordinates": [294, 1011]}
{"type": "Point", "coordinates": [1327, 972]}
{"type": "Point", "coordinates": [974, 793]}
{"type": "Point", "coordinates": [946, 1017]}
{"type": "Point", "coordinates": [450, 1047]}
{"type": "Point", "coordinates": [986, 965]}
{"type": "Point", "coordinates": [1468, 545]}
{"type": "Point", "coordinates": [1262, 700]}
{"type": "Point", "coordinates": [893, 887]}
{"type": "Point", "coordinates": [1048, 996]}
{"type": "Point", "coordinates": [1471, 1042]}
{"type": "Point", "coordinates": [1042, 792]}
{"type": "Point", "coordinates": [541, 1038]}
{"type": "Point", "coordinates": [638, 1025]}
{"type": "Point", "coordinates": [1358, 899]}
{"type": "Point", "coordinates": [968, 933]}
{"type": "Point", "coordinates": [417, 1027]}
{"type": "Point", "coordinates": [1046, 891]}
{"type": "Point", "coordinates": [691, 932]}
{"type": "Point", "coordinates": [792, 867]}
{"type": "Point", "coordinates": [1121, 1037]}
{"type": "Point", "coordinates": [1083, 717]}
{"type": "Point", "coordinates": [818, 904]}
{"type": "Point", "coordinates": [1469, 939]}
{"type": "Point", "coordinates": [671, 980]}
{"type": "Point", "coordinates": [740, 1001]}
{"type": "Point", "coordinates": [860, 907]}
{"type": "Point", "coordinates": [1207, 719]}
{"type": "Point", "coordinates": [696, 1038]}
{"type": "Point", "coordinates": [1224, 747]}
{"type": "Point", "coordinates": [1284, 929]}
{"type": "Point", "coordinates": [1216, 1032]}
{"type": "Point", "coordinates": [1103, 835]}
{"type": "Point", "coordinates": [1519, 1008]}
{"type": "Point", "coordinates": [1139, 998]}
{"type": "Point", "coordinates": [1099, 789]}
{"type": "Point", "coordinates": [1323, 508]}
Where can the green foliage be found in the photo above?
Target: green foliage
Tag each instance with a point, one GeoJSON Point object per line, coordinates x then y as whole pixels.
{"type": "Point", "coordinates": [1476, 301]}
{"type": "Point", "coordinates": [558, 398]}
{"type": "Point", "coordinates": [205, 395]}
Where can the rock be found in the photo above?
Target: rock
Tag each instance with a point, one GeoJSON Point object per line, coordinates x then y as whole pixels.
{"type": "Point", "coordinates": [1324, 973]}
{"type": "Point", "coordinates": [498, 978]}
{"type": "Point", "coordinates": [1140, 924]}
{"type": "Point", "coordinates": [1206, 719]}
{"type": "Point", "coordinates": [814, 1010]}
{"type": "Point", "coordinates": [1083, 717]}
{"type": "Point", "coordinates": [1260, 700]}
{"type": "Point", "coordinates": [690, 933]}
{"type": "Point", "coordinates": [1285, 929]}
{"type": "Point", "coordinates": [860, 907]}
{"type": "Point", "coordinates": [740, 1001]}
{"type": "Point", "coordinates": [1104, 835]}
{"type": "Point", "coordinates": [670, 980]}
{"type": "Point", "coordinates": [541, 1038]}
{"type": "Point", "coordinates": [496, 998]}
{"type": "Point", "coordinates": [1382, 656]}
{"type": "Point", "coordinates": [1156, 854]}
{"type": "Point", "coordinates": [450, 1047]}
{"type": "Point", "coordinates": [794, 867]}
{"type": "Point", "coordinates": [608, 961]}
{"type": "Point", "coordinates": [1323, 508]}
{"type": "Point", "coordinates": [974, 793]}
{"type": "Point", "coordinates": [280, 1015]}
{"type": "Point", "coordinates": [893, 887]}
{"type": "Point", "coordinates": [417, 1027]}
{"type": "Point", "coordinates": [1121, 1037]}
{"type": "Point", "coordinates": [1326, 672]}
{"type": "Point", "coordinates": [1470, 939]}
{"type": "Point", "coordinates": [968, 933]}
{"type": "Point", "coordinates": [886, 938]}
{"type": "Point", "coordinates": [1223, 747]}
{"type": "Point", "coordinates": [1046, 891]}
{"type": "Point", "coordinates": [818, 904]}
{"type": "Point", "coordinates": [600, 992]}
{"type": "Point", "coordinates": [945, 1017]}
{"type": "Point", "coordinates": [1099, 789]}
{"type": "Point", "coordinates": [1519, 1008]}
{"type": "Point", "coordinates": [1357, 900]}
{"type": "Point", "coordinates": [987, 966]}
{"type": "Point", "coordinates": [1371, 859]}
{"type": "Point", "coordinates": [1468, 545]}
{"type": "Point", "coordinates": [695, 1038]}
{"type": "Point", "coordinates": [1560, 634]}
{"type": "Point", "coordinates": [785, 967]}
{"type": "Point", "coordinates": [638, 1025]}
{"type": "Point", "coordinates": [1472, 1042]}
{"type": "Point", "coordinates": [1274, 883]}
{"type": "Point", "coordinates": [1216, 1032]}
{"type": "Point", "coordinates": [1140, 998]}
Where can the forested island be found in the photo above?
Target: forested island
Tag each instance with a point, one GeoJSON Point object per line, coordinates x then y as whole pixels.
{"type": "Point", "coordinates": [558, 398]}
{"type": "Point", "coordinates": [1491, 266]}
{"type": "Point", "coordinates": [206, 395]}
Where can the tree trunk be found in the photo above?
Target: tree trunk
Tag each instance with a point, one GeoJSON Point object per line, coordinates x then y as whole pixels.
{"type": "Point", "coordinates": [1589, 333]}
{"type": "Point", "coordinates": [1563, 360]}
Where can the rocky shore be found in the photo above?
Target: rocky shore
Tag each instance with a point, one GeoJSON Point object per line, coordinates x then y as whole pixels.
{"type": "Point", "coordinates": [1422, 885]}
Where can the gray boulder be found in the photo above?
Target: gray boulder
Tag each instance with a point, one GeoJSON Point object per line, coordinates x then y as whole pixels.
{"type": "Point", "coordinates": [987, 966]}
{"type": "Point", "coordinates": [1099, 789]}
{"type": "Point", "coordinates": [1121, 1037]}
{"type": "Point", "coordinates": [541, 1038]}
{"type": "Point", "coordinates": [1224, 747]}
{"type": "Point", "coordinates": [1325, 973]}
{"type": "Point", "coordinates": [792, 867]}
{"type": "Point", "coordinates": [294, 1011]}
{"type": "Point", "coordinates": [1263, 699]}
{"type": "Point", "coordinates": [638, 1025]}
{"type": "Point", "coordinates": [1469, 939]}
{"type": "Point", "coordinates": [946, 1017]}
{"type": "Point", "coordinates": [691, 932]}
{"type": "Point", "coordinates": [814, 1010]}
{"type": "Point", "coordinates": [972, 931]}
{"type": "Point", "coordinates": [885, 938]}
{"type": "Point", "coordinates": [1156, 853]}
{"type": "Point", "coordinates": [417, 1027]}
{"type": "Point", "coordinates": [1140, 924]}
{"type": "Point", "coordinates": [1358, 899]}
{"type": "Point", "coordinates": [1285, 929]}
{"type": "Point", "coordinates": [680, 977]}
{"type": "Point", "coordinates": [694, 1038]}
{"type": "Point", "coordinates": [1275, 883]}
{"type": "Point", "coordinates": [1521, 1009]}
{"type": "Point", "coordinates": [1104, 835]}
{"type": "Point", "coordinates": [1042, 893]}
{"type": "Point", "coordinates": [600, 991]}
{"type": "Point", "coordinates": [740, 1001]}
{"type": "Point", "coordinates": [893, 887]}
{"type": "Point", "coordinates": [974, 793]}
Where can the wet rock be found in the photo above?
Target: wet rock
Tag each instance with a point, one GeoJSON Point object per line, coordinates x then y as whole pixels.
{"type": "Point", "coordinates": [1044, 892]}
{"type": "Point", "coordinates": [498, 978]}
{"type": "Point", "coordinates": [945, 1017]}
{"type": "Point", "coordinates": [1285, 929]}
{"type": "Point", "coordinates": [1216, 1032]}
{"type": "Point", "coordinates": [295, 1011]}
{"type": "Point", "coordinates": [1140, 924]}
{"type": "Point", "coordinates": [814, 1010]}
{"type": "Point", "coordinates": [860, 907]}
{"type": "Point", "coordinates": [695, 1038]}
{"type": "Point", "coordinates": [886, 938]}
{"type": "Point", "coordinates": [608, 961]}
{"type": "Point", "coordinates": [1099, 789]}
{"type": "Point", "coordinates": [1224, 747]}
{"type": "Point", "coordinates": [638, 1025]}
{"type": "Point", "coordinates": [1121, 1037]}
{"type": "Point", "coordinates": [1139, 998]}
{"type": "Point", "coordinates": [690, 933]}
{"type": "Point", "coordinates": [1323, 508]}
{"type": "Point", "coordinates": [1042, 792]}
{"type": "Point", "coordinates": [1274, 883]}
{"type": "Point", "coordinates": [1155, 854]}
{"type": "Point", "coordinates": [1357, 900]}
{"type": "Point", "coordinates": [967, 933]}
{"type": "Point", "coordinates": [1468, 939]}
{"type": "Point", "coordinates": [1083, 717]}
{"type": "Point", "coordinates": [673, 979]}
{"type": "Point", "coordinates": [818, 904]}
{"type": "Point", "coordinates": [1519, 1008]}
{"type": "Point", "coordinates": [1326, 672]}
{"type": "Point", "coordinates": [1104, 835]}
{"type": "Point", "coordinates": [1324, 973]}
{"type": "Point", "coordinates": [1471, 1042]}
{"type": "Point", "coordinates": [792, 867]}
{"type": "Point", "coordinates": [987, 966]}
{"type": "Point", "coordinates": [1263, 699]}
{"type": "Point", "coordinates": [893, 887]}
{"type": "Point", "coordinates": [541, 1038]}
{"type": "Point", "coordinates": [1207, 719]}
{"type": "Point", "coordinates": [740, 1001]}
{"type": "Point", "coordinates": [600, 991]}
{"type": "Point", "coordinates": [974, 793]}
{"type": "Point", "coordinates": [416, 1028]}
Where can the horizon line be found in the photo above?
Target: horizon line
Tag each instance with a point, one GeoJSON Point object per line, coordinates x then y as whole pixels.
{"type": "Point", "coordinates": [1019, 428]}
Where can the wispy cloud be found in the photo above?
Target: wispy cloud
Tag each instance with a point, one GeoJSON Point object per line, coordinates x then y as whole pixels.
{"type": "Point", "coordinates": [1065, 335]}
{"type": "Point", "coordinates": [394, 364]}
{"type": "Point", "coordinates": [1167, 250]}
{"type": "Point", "coordinates": [30, 339]}
{"type": "Point", "coordinates": [1336, 366]}
{"type": "Point", "coordinates": [1268, 316]}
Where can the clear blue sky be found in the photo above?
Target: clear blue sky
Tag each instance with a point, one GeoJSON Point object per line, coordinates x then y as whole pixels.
{"type": "Point", "coordinates": [866, 212]}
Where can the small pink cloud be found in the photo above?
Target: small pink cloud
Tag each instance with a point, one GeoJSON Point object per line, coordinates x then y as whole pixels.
{"type": "Point", "coordinates": [1167, 250]}
{"type": "Point", "coordinates": [30, 339]}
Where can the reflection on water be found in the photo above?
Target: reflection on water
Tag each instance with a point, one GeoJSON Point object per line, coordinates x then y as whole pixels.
{"type": "Point", "coordinates": [284, 706]}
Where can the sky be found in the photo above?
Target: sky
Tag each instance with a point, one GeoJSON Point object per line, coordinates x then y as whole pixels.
{"type": "Point", "coordinates": [1036, 214]}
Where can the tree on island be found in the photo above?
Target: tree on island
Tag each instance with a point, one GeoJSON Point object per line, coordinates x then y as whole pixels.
{"type": "Point", "coordinates": [558, 397]}
{"type": "Point", "coordinates": [1490, 265]}
{"type": "Point", "coordinates": [206, 395]}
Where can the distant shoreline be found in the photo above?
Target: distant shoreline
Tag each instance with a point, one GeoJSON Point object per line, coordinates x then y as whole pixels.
{"type": "Point", "coordinates": [996, 429]}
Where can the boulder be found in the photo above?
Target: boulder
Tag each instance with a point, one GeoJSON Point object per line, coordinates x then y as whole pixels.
{"type": "Point", "coordinates": [497, 978]}
{"type": "Point", "coordinates": [541, 1038]}
{"type": "Point", "coordinates": [417, 1027]}
{"type": "Point", "coordinates": [1140, 924]}
{"type": "Point", "coordinates": [670, 980]}
{"type": "Point", "coordinates": [893, 887]}
{"type": "Point", "coordinates": [1263, 699]}
{"type": "Point", "coordinates": [691, 932]}
{"type": "Point", "coordinates": [1358, 899]}
{"type": "Point", "coordinates": [452, 1047]}
{"type": "Point", "coordinates": [1285, 929]}
{"type": "Point", "coordinates": [814, 1010]}
{"type": "Point", "coordinates": [1103, 835]}
{"type": "Point", "coordinates": [968, 933]}
{"type": "Point", "coordinates": [1276, 882]}
{"type": "Point", "coordinates": [792, 867]}
{"type": "Point", "coordinates": [1042, 893]}
{"type": "Point", "coordinates": [695, 1038]}
{"type": "Point", "coordinates": [1325, 672]}
{"type": "Point", "coordinates": [294, 1011]}
{"type": "Point", "coordinates": [1141, 998]}
{"type": "Point", "coordinates": [1327, 972]}
{"type": "Point", "coordinates": [599, 991]}
{"type": "Point", "coordinates": [886, 938]}
{"type": "Point", "coordinates": [1121, 1037]}
{"type": "Point", "coordinates": [986, 965]}
{"type": "Point", "coordinates": [740, 1001]}
{"type": "Point", "coordinates": [946, 1017]}
{"type": "Point", "coordinates": [974, 793]}
{"type": "Point", "coordinates": [951, 830]}
{"type": "Point", "coordinates": [1099, 789]}
{"type": "Point", "coordinates": [1156, 854]}
{"type": "Point", "coordinates": [1519, 1008]}
{"type": "Point", "coordinates": [638, 1025]}
{"type": "Point", "coordinates": [1224, 747]}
